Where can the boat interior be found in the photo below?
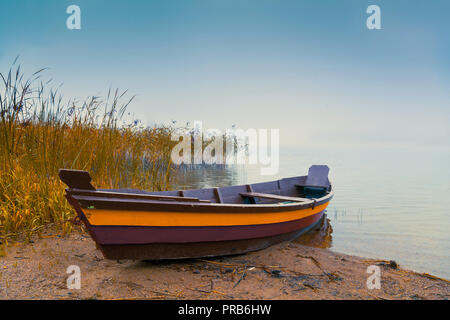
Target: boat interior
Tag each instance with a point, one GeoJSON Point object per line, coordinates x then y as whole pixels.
{"type": "Point", "coordinates": [295, 189]}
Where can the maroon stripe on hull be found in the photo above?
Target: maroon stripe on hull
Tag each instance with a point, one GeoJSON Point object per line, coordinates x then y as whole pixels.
{"type": "Point", "coordinates": [164, 251]}
{"type": "Point", "coordinates": [112, 235]}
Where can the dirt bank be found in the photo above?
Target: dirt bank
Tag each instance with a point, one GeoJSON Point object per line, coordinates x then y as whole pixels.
{"type": "Point", "coordinates": [285, 271]}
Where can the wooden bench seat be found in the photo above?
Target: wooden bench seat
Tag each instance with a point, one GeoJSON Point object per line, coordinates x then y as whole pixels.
{"type": "Point", "coordinates": [141, 196]}
{"type": "Point", "coordinates": [309, 186]}
{"type": "Point", "coordinates": [273, 196]}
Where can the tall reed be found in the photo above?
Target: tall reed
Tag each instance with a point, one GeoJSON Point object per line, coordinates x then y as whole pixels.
{"type": "Point", "coordinates": [40, 132]}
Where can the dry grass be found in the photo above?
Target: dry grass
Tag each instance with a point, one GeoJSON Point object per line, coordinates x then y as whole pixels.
{"type": "Point", "coordinates": [41, 132]}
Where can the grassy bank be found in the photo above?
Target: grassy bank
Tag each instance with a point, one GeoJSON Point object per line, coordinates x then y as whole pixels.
{"type": "Point", "coordinates": [41, 131]}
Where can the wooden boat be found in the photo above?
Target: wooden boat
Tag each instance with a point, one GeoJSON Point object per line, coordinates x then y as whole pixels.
{"type": "Point", "coordinates": [140, 225]}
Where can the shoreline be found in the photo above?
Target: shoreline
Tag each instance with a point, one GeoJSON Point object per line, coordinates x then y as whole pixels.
{"type": "Point", "coordinates": [287, 270]}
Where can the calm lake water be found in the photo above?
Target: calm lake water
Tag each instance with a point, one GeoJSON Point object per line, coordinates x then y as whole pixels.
{"type": "Point", "coordinates": [388, 204]}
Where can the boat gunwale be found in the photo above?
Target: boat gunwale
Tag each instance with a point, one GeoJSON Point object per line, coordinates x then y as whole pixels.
{"type": "Point", "coordinates": [173, 204]}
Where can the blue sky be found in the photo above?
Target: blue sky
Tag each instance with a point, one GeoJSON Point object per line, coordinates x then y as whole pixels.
{"type": "Point", "coordinates": [310, 68]}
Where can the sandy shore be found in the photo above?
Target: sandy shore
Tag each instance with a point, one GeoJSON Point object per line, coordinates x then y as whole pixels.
{"type": "Point", "coordinates": [285, 271]}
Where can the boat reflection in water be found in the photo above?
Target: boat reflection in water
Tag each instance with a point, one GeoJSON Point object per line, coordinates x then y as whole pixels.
{"type": "Point", "coordinates": [319, 237]}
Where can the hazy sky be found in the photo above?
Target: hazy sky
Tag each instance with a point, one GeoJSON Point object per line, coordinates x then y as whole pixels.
{"type": "Point", "coordinates": [310, 68]}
